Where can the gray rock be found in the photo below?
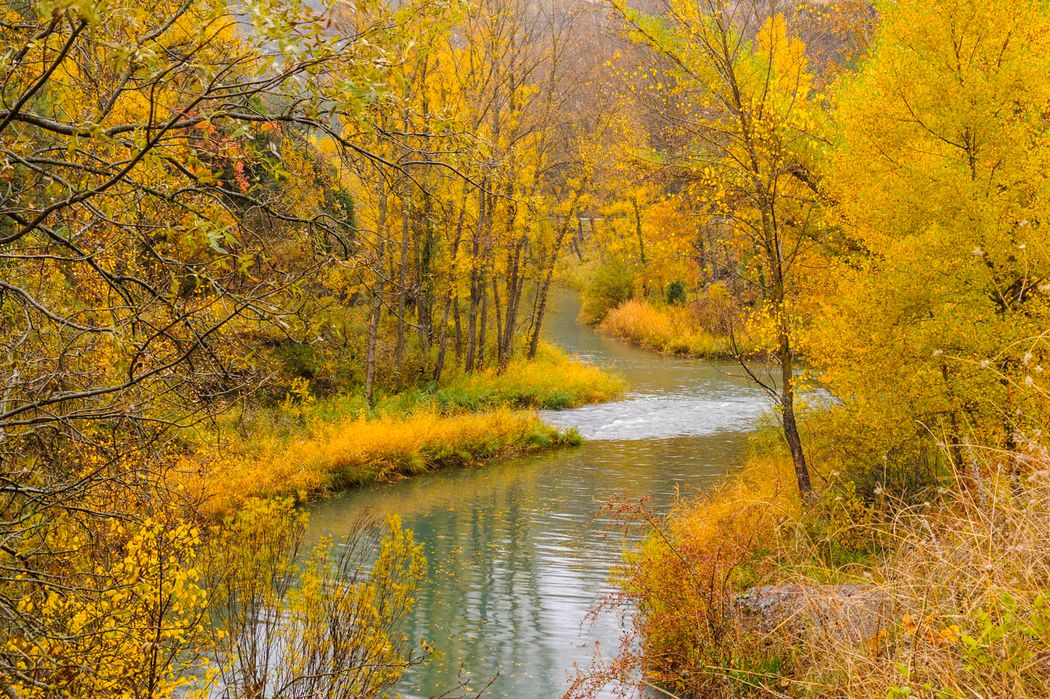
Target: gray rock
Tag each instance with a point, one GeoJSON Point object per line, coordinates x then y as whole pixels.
{"type": "Point", "coordinates": [853, 612]}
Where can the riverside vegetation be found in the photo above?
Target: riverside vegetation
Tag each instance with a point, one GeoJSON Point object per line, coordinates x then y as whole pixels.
{"type": "Point", "coordinates": [872, 190]}
{"type": "Point", "coordinates": [252, 252]}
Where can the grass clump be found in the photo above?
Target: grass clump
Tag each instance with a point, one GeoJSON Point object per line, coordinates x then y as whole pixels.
{"type": "Point", "coordinates": [356, 451]}
{"type": "Point", "coordinates": [551, 380]}
{"type": "Point", "coordinates": [665, 329]}
{"type": "Point", "coordinates": [697, 329]}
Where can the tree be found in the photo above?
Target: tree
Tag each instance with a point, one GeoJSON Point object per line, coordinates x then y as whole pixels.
{"type": "Point", "coordinates": [935, 321]}
{"type": "Point", "coordinates": [162, 203]}
{"type": "Point", "coordinates": [744, 90]}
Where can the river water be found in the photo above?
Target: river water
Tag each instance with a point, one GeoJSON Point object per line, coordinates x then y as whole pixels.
{"type": "Point", "coordinates": [517, 556]}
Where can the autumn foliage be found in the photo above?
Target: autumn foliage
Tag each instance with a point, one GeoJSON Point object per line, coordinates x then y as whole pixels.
{"type": "Point", "coordinates": [912, 287]}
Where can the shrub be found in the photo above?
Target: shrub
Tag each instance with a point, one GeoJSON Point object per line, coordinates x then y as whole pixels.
{"type": "Point", "coordinates": [962, 581]}
{"type": "Point", "coordinates": [611, 284]}
{"type": "Point", "coordinates": [675, 293]}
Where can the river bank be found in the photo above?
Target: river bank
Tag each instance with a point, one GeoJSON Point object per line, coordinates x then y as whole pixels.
{"type": "Point", "coordinates": [865, 590]}
{"type": "Point", "coordinates": [307, 447]}
{"type": "Point", "coordinates": [697, 329]}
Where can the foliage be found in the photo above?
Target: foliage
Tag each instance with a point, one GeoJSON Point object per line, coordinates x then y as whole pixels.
{"type": "Point", "coordinates": [611, 284]}
{"type": "Point", "coordinates": [258, 205]}
{"type": "Point", "coordinates": [739, 94]}
{"type": "Point", "coordinates": [323, 624]}
{"type": "Point", "coordinates": [919, 299]}
{"type": "Point", "coordinates": [183, 611]}
{"type": "Point", "coordinates": [963, 576]}
{"type": "Point", "coordinates": [131, 629]}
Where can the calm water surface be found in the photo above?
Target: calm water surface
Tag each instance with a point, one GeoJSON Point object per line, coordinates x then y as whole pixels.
{"type": "Point", "coordinates": [517, 556]}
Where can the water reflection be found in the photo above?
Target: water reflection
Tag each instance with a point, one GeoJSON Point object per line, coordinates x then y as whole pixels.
{"type": "Point", "coordinates": [518, 554]}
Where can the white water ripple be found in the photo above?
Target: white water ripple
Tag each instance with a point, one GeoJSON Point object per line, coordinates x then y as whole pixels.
{"type": "Point", "coordinates": [644, 416]}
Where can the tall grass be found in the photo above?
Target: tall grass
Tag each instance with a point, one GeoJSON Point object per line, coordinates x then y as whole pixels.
{"type": "Point", "coordinates": [355, 451]}
{"type": "Point", "coordinates": [551, 380]}
{"type": "Point", "coordinates": [969, 585]}
{"type": "Point", "coordinates": [667, 329]}
{"type": "Point", "coordinates": [960, 582]}
{"type": "Point", "coordinates": [308, 446]}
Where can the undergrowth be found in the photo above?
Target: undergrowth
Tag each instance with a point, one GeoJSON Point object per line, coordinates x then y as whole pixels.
{"type": "Point", "coordinates": [698, 329]}
{"type": "Point", "coordinates": [960, 570]}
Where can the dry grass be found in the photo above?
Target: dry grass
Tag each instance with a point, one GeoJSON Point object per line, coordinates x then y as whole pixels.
{"type": "Point", "coordinates": [357, 451]}
{"type": "Point", "coordinates": [962, 584]}
{"type": "Point", "coordinates": [668, 329]}
{"type": "Point", "coordinates": [969, 583]}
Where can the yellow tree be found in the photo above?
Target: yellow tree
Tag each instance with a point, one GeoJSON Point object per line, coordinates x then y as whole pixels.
{"type": "Point", "coordinates": [148, 226]}
{"type": "Point", "coordinates": [744, 91]}
{"type": "Point", "coordinates": [940, 173]}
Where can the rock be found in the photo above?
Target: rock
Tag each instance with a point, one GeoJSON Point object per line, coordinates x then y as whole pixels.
{"type": "Point", "coordinates": [853, 612]}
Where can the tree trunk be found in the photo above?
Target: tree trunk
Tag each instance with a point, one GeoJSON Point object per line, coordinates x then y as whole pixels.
{"type": "Point", "coordinates": [544, 290]}
{"type": "Point", "coordinates": [402, 284]}
{"type": "Point", "coordinates": [498, 314]}
{"type": "Point", "coordinates": [439, 363]}
{"type": "Point", "coordinates": [377, 298]}
{"type": "Point", "coordinates": [483, 312]}
{"type": "Point", "coordinates": [791, 434]}
{"type": "Point", "coordinates": [638, 230]}
{"type": "Point", "coordinates": [514, 289]}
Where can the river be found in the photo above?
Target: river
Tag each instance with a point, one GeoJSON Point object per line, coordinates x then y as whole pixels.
{"type": "Point", "coordinates": [517, 556]}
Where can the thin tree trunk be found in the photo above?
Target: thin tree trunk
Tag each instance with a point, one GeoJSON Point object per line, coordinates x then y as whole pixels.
{"type": "Point", "coordinates": [476, 287]}
{"type": "Point", "coordinates": [439, 363]}
{"type": "Point", "coordinates": [402, 284]}
{"type": "Point", "coordinates": [544, 289]}
{"type": "Point", "coordinates": [497, 307]}
{"type": "Point", "coordinates": [479, 357]}
{"type": "Point", "coordinates": [377, 298]}
{"type": "Point", "coordinates": [459, 330]}
{"type": "Point", "coordinates": [638, 230]}
{"type": "Point", "coordinates": [791, 433]}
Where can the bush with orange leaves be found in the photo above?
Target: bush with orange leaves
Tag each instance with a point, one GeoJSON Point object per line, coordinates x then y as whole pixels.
{"type": "Point", "coordinates": [682, 582]}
